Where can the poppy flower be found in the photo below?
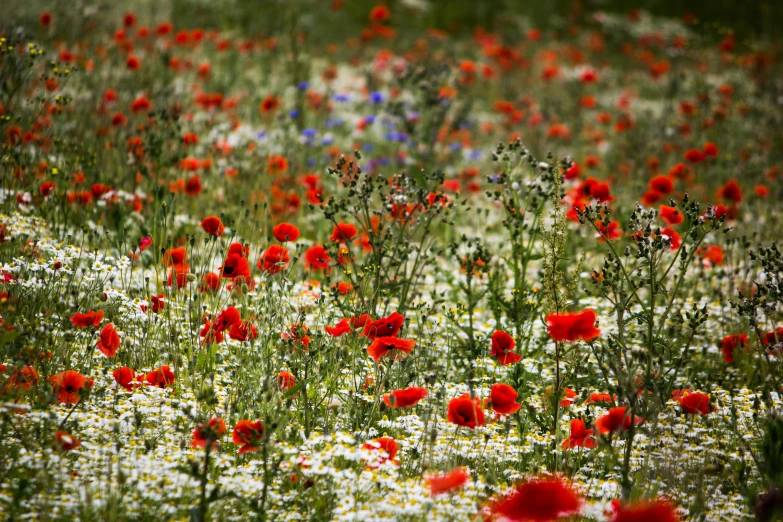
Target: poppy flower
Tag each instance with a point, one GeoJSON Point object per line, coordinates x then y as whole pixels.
{"type": "Point", "coordinates": [161, 377]}
{"type": "Point", "coordinates": [503, 398]}
{"type": "Point", "coordinates": [694, 156]}
{"type": "Point", "coordinates": [248, 435]}
{"type": "Point", "coordinates": [405, 398]}
{"type": "Point", "coordinates": [210, 281]}
{"type": "Point", "coordinates": [615, 420]}
{"type": "Point", "coordinates": [606, 398]}
{"type": "Point", "coordinates": [341, 328]}
{"type": "Point", "coordinates": [274, 259]}
{"type": "Point", "coordinates": [674, 238]}
{"type": "Point", "coordinates": [538, 500]}
{"type": "Point", "coordinates": [175, 256]}
{"type": "Point", "coordinates": [612, 231]}
{"type": "Point", "coordinates": [659, 510]}
{"type": "Point", "coordinates": [70, 385]}
{"type": "Point", "coordinates": [213, 226]}
{"type": "Point", "coordinates": [208, 433]}
{"type": "Point", "coordinates": [285, 232]}
{"type": "Point", "coordinates": [227, 318]}
{"type": "Point", "coordinates": [88, 319]}
{"type": "Point", "coordinates": [285, 381]}
{"type": "Point", "coordinates": [580, 436]}
{"type": "Point", "coordinates": [651, 197]}
{"type": "Point", "coordinates": [383, 444]}
{"type": "Point", "coordinates": [731, 191]}
{"type": "Point", "coordinates": [447, 482]}
{"type": "Point", "coordinates": [601, 192]}
{"type": "Point", "coordinates": [671, 215]}
{"type": "Point", "coordinates": [695, 402]}
{"type": "Point", "coordinates": [22, 379]}
{"type": "Point", "coordinates": [133, 62]}
{"type": "Point", "coordinates": [316, 258]}
{"type": "Point", "coordinates": [711, 254]}
{"type": "Point", "coordinates": [761, 191]}
{"type": "Point", "coordinates": [662, 184]}
{"type": "Point", "coordinates": [109, 341]}
{"type": "Point", "coordinates": [277, 164]}
{"type": "Point", "coordinates": [343, 232]}
{"type": "Point", "coordinates": [730, 343]}
{"type": "Point", "coordinates": [385, 327]}
{"type": "Point", "coordinates": [710, 150]}
{"type": "Point", "coordinates": [64, 441]}
{"type": "Point", "coordinates": [387, 345]}
{"type": "Point", "coordinates": [243, 331]}
{"type": "Point", "coordinates": [144, 243]}
{"type": "Point", "coordinates": [125, 377]}
{"type": "Point", "coordinates": [466, 412]}
{"type": "Point", "coordinates": [774, 337]}
{"type": "Point", "coordinates": [502, 344]}
{"type": "Point", "coordinates": [269, 104]}
{"type": "Point", "coordinates": [45, 19]}
{"type": "Point", "coordinates": [571, 327]}
{"type": "Point", "coordinates": [235, 267]}
{"type": "Point", "coordinates": [158, 302]}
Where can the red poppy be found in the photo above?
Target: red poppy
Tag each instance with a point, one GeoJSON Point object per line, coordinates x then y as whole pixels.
{"type": "Point", "coordinates": [277, 164]}
{"type": "Point", "coordinates": [573, 326]}
{"type": "Point", "coordinates": [503, 398]}
{"type": "Point", "coordinates": [774, 337]}
{"type": "Point", "coordinates": [22, 379]}
{"type": "Point", "coordinates": [343, 232]}
{"type": "Point", "coordinates": [660, 510]}
{"type": "Point", "coordinates": [227, 318]}
{"type": "Point", "coordinates": [45, 19]}
{"type": "Point", "coordinates": [158, 302]}
{"type": "Point", "coordinates": [126, 378]}
{"type": "Point", "coordinates": [615, 420]}
{"type": "Point", "coordinates": [161, 377]}
{"type": "Point", "coordinates": [651, 197]}
{"type": "Point", "coordinates": [730, 343]}
{"type": "Point", "coordinates": [662, 184]}
{"type": "Point", "coordinates": [64, 441]}
{"type": "Point", "coordinates": [213, 226]}
{"type": "Point", "coordinates": [731, 191]}
{"type": "Point", "coordinates": [176, 256]}
{"type": "Point", "coordinates": [243, 331]}
{"type": "Point", "coordinates": [88, 319]}
{"type": "Point", "coordinates": [710, 150]}
{"type": "Point", "coordinates": [285, 232]}
{"type": "Point", "coordinates": [761, 191]}
{"type": "Point", "coordinates": [385, 327]}
{"type": "Point", "coordinates": [380, 13]}
{"type": "Point", "coordinates": [695, 402]}
{"type": "Point", "coordinates": [109, 341]}
{"type": "Point", "coordinates": [236, 267]}
{"type": "Point", "coordinates": [502, 344]}
{"type": "Point", "coordinates": [285, 381]}
{"type": "Point", "coordinates": [711, 254]}
{"type": "Point", "coordinates": [210, 281]}
{"type": "Point", "coordinates": [269, 104]}
{"type": "Point", "coordinates": [580, 436]}
{"type": "Point", "coordinates": [405, 398]}
{"type": "Point", "coordinates": [694, 156]}
{"type": "Point", "coordinates": [447, 482]}
{"type": "Point", "coordinates": [387, 345]}
{"type": "Point", "coordinates": [133, 62]}
{"type": "Point", "coordinates": [248, 434]}
{"type": "Point", "coordinates": [341, 328]}
{"type": "Point", "coordinates": [612, 231]}
{"type": "Point", "coordinates": [538, 500]}
{"type": "Point", "coordinates": [385, 444]}
{"type": "Point", "coordinates": [601, 398]}
{"type": "Point", "coordinates": [274, 259]}
{"type": "Point", "coordinates": [467, 412]}
{"type": "Point", "coordinates": [208, 433]}
{"type": "Point", "coordinates": [70, 385]}
{"type": "Point", "coordinates": [671, 215]}
{"type": "Point", "coordinates": [674, 238]}
{"type": "Point", "coordinates": [317, 258]}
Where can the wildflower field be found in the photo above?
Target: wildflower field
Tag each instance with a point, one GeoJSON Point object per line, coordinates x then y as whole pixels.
{"type": "Point", "coordinates": [358, 262]}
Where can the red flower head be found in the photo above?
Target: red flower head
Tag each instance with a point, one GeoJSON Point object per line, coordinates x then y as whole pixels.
{"type": "Point", "coordinates": [341, 328]}
{"type": "Point", "coordinates": [70, 385]}
{"type": "Point", "coordinates": [385, 444]}
{"type": "Point", "coordinates": [22, 379]}
{"type": "Point", "coordinates": [646, 511]}
{"type": "Point", "coordinates": [447, 482]}
{"type": "Point", "coordinates": [673, 236]}
{"type": "Point", "coordinates": [467, 412]}
{"type": "Point", "coordinates": [404, 398]}
{"type": "Point", "coordinates": [610, 232]}
{"type": "Point", "coordinates": [109, 341]}
{"type": "Point", "coordinates": [208, 433]}
{"type": "Point", "coordinates": [662, 184]}
{"type": "Point", "coordinates": [158, 302]}
{"type": "Point", "coordinates": [248, 434]}
{"type": "Point", "coordinates": [601, 192]}
{"type": "Point", "coordinates": [274, 259]}
{"type": "Point", "coordinates": [538, 500]}
{"type": "Point", "coordinates": [126, 378]}
{"type": "Point", "coordinates": [389, 345]}
{"type": "Point", "coordinates": [502, 344]}
{"type": "Point", "coordinates": [579, 326]}
{"type": "Point", "coordinates": [285, 232]}
{"type": "Point", "coordinates": [227, 318]}
{"type": "Point", "coordinates": [343, 232]}
{"type": "Point", "coordinates": [144, 243]}
{"type": "Point", "coordinates": [580, 436]}
{"type": "Point", "coordinates": [88, 319]}
{"type": "Point", "coordinates": [710, 150]}
{"type": "Point", "coordinates": [380, 13]}
{"type": "Point", "coordinates": [277, 164]}
{"type": "Point", "coordinates": [269, 104]}
{"type": "Point", "coordinates": [236, 267]}
{"type": "Point", "coordinates": [385, 326]}
{"type": "Point", "coordinates": [210, 281]}
{"type": "Point", "coordinates": [46, 19]}
{"type": "Point", "coordinates": [671, 215]}
{"type": "Point", "coordinates": [503, 398]}
{"type": "Point", "coordinates": [64, 441]}
{"type": "Point", "coordinates": [133, 63]}
{"type": "Point", "coordinates": [694, 156]}
{"type": "Point", "coordinates": [285, 381]}
{"type": "Point", "coordinates": [176, 256]}
{"type": "Point", "coordinates": [711, 254]}
{"type": "Point", "coordinates": [243, 331]}
{"type": "Point", "coordinates": [316, 258]}
{"type": "Point", "coordinates": [213, 226]}
{"type": "Point", "coordinates": [615, 420]}
{"type": "Point", "coordinates": [731, 191]}
{"type": "Point", "coordinates": [161, 377]}
{"type": "Point", "coordinates": [695, 402]}
{"type": "Point", "coordinates": [730, 343]}
{"type": "Point", "coordinates": [774, 337]}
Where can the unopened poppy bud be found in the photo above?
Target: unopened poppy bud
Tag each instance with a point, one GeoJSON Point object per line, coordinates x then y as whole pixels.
{"type": "Point", "coordinates": [190, 277]}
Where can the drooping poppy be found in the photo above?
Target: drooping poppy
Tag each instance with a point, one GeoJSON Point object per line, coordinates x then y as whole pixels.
{"type": "Point", "coordinates": [385, 445]}
{"type": "Point", "coordinates": [405, 398]}
{"type": "Point", "coordinates": [659, 510]}
{"type": "Point", "coordinates": [161, 377]}
{"type": "Point", "coordinates": [343, 232]}
{"type": "Point", "coordinates": [695, 403]}
{"type": "Point", "coordinates": [317, 258]}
